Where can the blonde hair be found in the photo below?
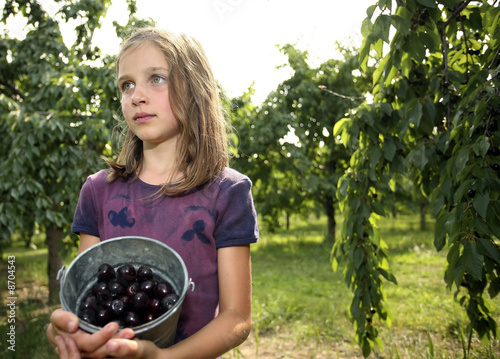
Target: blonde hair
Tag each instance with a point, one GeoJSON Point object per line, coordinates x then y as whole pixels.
{"type": "Point", "coordinates": [202, 148]}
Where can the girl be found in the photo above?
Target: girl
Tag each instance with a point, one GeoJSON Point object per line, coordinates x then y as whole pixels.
{"type": "Point", "coordinates": [171, 182]}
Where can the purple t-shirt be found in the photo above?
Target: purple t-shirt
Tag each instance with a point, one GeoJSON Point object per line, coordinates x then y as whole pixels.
{"type": "Point", "coordinates": [219, 214]}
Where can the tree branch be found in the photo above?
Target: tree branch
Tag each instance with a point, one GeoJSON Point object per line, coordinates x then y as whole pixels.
{"type": "Point", "coordinates": [353, 98]}
{"type": "Point", "coordinates": [459, 9]}
{"type": "Point", "coordinates": [494, 59]}
{"type": "Point", "coordinates": [13, 90]}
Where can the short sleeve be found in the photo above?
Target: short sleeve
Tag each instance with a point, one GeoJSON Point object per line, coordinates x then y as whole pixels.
{"type": "Point", "coordinates": [85, 219]}
{"type": "Point", "coordinates": [236, 222]}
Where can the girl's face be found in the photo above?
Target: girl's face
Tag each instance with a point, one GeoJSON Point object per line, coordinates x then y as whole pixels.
{"type": "Point", "coordinates": [142, 79]}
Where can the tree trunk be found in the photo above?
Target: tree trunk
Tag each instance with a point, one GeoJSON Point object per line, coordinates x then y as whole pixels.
{"type": "Point", "coordinates": [287, 220]}
{"type": "Point", "coordinates": [54, 237]}
{"type": "Point", "coordinates": [423, 211]}
{"type": "Point", "coordinates": [330, 215]}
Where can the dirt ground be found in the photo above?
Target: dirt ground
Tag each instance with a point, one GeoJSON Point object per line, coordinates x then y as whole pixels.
{"type": "Point", "coordinates": [280, 346]}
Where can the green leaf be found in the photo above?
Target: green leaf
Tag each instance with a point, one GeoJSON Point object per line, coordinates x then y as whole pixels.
{"type": "Point", "coordinates": [428, 3]}
{"type": "Point", "coordinates": [358, 257]}
{"type": "Point", "coordinates": [389, 276]}
{"type": "Point", "coordinates": [493, 223]}
{"type": "Point", "coordinates": [453, 258]}
{"type": "Point", "coordinates": [488, 248]}
{"type": "Point", "coordinates": [472, 260]}
{"type": "Point", "coordinates": [480, 204]}
{"type": "Point", "coordinates": [371, 9]}
{"type": "Point", "coordinates": [366, 347]}
{"type": "Point", "coordinates": [427, 41]}
{"type": "Point", "coordinates": [364, 51]}
{"type": "Point", "coordinates": [339, 126]}
{"type": "Point", "coordinates": [381, 27]}
{"type": "Point", "coordinates": [389, 149]}
{"type": "Point", "coordinates": [462, 159]}
{"type": "Point", "coordinates": [355, 306]}
{"type": "Point", "coordinates": [417, 50]}
{"type": "Point", "coordinates": [481, 148]}
{"type": "Point", "coordinates": [401, 24]}
{"type": "Point", "coordinates": [417, 157]}
{"type": "Point", "coordinates": [378, 208]}
{"type": "Point", "coordinates": [429, 110]}
{"type": "Point", "coordinates": [415, 114]}
{"type": "Point", "coordinates": [366, 27]}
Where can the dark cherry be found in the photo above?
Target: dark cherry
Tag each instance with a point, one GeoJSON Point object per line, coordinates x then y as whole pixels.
{"type": "Point", "coordinates": [168, 301]}
{"type": "Point", "coordinates": [90, 302]}
{"type": "Point", "coordinates": [104, 297]}
{"type": "Point", "coordinates": [88, 315]}
{"type": "Point", "coordinates": [127, 272]}
{"type": "Point", "coordinates": [132, 289]}
{"type": "Point", "coordinates": [99, 287]}
{"type": "Point", "coordinates": [125, 299]}
{"type": "Point", "coordinates": [103, 316]}
{"type": "Point", "coordinates": [105, 272]}
{"type": "Point", "coordinates": [127, 296]}
{"type": "Point", "coordinates": [117, 308]}
{"type": "Point", "coordinates": [143, 273]}
{"type": "Point", "coordinates": [495, 167]}
{"type": "Point", "coordinates": [131, 319]}
{"type": "Point", "coordinates": [162, 289]}
{"type": "Point", "coordinates": [154, 305]}
{"type": "Point", "coordinates": [140, 301]}
{"type": "Point", "coordinates": [148, 317]}
{"type": "Point", "coordinates": [115, 287]}
{"type": "Point", "coordinates": [148, 287]}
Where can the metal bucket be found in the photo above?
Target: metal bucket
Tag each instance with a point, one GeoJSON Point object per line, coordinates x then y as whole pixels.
{"type": "Point", "coordinates": [80, 276]}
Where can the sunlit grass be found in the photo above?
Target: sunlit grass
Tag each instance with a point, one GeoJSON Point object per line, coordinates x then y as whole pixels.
{"type": "Point", "coordinates": [298, 298]}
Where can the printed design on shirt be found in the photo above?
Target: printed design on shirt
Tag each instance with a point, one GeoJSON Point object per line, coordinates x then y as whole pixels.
{"type": "Point", "coordinates": [198, 228]}
{"type": "Point", "coordinates": [123, 218]}
{"type": "Point", "coordinates": [201, 208]}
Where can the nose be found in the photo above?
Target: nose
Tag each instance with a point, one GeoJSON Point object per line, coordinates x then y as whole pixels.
{"type": "Point", "coordinates": [140, 96]}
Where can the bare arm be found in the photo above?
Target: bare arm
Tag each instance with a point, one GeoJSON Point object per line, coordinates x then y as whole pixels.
{"type": "Point", "coordinates": [87, 241]}
{"type": "Point", "coordinates": [227, 331]}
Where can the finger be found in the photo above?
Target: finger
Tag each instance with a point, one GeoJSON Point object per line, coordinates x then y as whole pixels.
{"type": "Point", "coordinates": [102, 351]}
{"type": "Point", "coordinates": [90, 343]}
{"type": "Point", "coordinates": [125, 333]}
{"type": "Point", "coordinates": [64, 321]}
{"type": "Point", "coordinates": [124, 348]}
{"type": "Point", "coordinates": [61, 347]}
{"type": "Point", "coordinates": [73, 352]}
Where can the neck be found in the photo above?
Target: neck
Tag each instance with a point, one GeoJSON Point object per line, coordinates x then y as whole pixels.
{"type": "Point", "coordinates": [158, 164]}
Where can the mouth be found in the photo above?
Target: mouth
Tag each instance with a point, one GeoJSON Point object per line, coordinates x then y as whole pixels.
{"type": "Point", "coordinates": [142, 117]}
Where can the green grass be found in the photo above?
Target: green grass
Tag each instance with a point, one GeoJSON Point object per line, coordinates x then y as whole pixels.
{"type": "Point", "coordinates": [298, 298]}
{"type": "Point", "coordinates": [297, 293]}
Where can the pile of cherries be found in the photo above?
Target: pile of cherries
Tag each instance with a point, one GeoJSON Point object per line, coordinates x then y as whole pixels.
{"type": "Point", "coordinates": [127, 296]}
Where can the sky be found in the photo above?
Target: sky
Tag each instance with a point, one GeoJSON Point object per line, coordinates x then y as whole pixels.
{"type": "Point", "coordinates": [240, 37]}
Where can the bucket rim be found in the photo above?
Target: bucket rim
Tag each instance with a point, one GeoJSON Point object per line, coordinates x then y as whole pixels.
{"type": "Point", "coordinates": [91, 328]}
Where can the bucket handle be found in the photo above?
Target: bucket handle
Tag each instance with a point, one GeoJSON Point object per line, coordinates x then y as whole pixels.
{"type": "Point", "coordinates": [191, 284]}
{"type": "Point", "coordinates": [61, 272]}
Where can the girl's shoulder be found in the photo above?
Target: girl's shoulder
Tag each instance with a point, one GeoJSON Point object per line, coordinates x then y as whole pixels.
{"type": "Point", "coordinates": [99, 177]}
{"type": "Point", "coordinates": [230, 176]}
{"type": "Point", "coordinates": [231, 173]}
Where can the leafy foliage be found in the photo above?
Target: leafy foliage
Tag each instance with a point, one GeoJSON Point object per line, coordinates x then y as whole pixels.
{"type": "Point", "coordinates": [434, 120]}
{"type": "Point", "coordinates": [58, 105]}
{"type": "Point", "coordinates": [287, 143]}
